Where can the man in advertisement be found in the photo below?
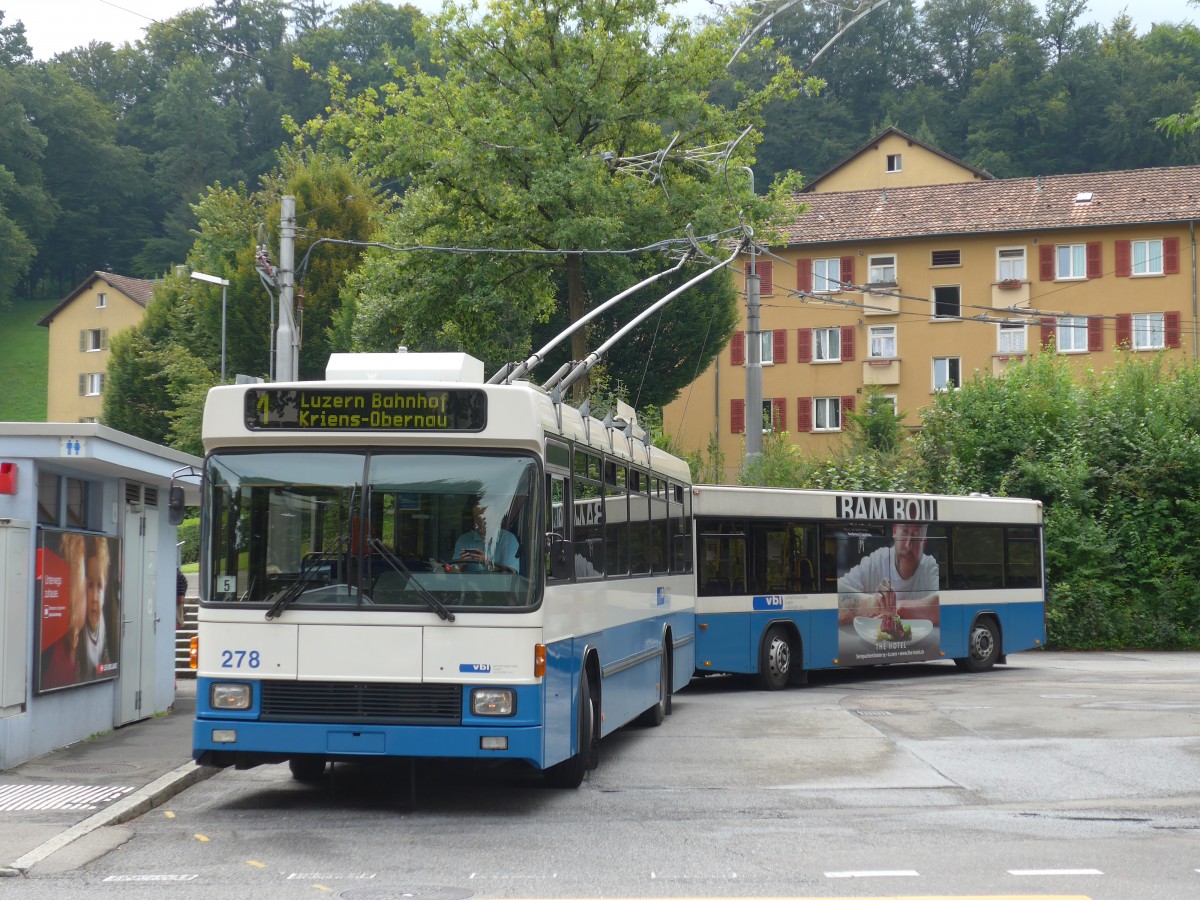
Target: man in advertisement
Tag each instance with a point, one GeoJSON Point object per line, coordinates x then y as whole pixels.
{"type": "Point", "coordinates": [888, 603]}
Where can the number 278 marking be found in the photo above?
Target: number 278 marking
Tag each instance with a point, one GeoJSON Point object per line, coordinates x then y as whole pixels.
{"type": "Point", "coordinates": [237, 659]}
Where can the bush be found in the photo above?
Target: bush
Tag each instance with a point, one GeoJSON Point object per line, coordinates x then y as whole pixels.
{"type": "Point", "coordinates": [189, 534]}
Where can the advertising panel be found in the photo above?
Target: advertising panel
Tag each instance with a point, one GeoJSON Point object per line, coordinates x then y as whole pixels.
{"type": "Point", "coordinates": [78, 609]}
{"type": "Point", "coordinates": [888, 581]}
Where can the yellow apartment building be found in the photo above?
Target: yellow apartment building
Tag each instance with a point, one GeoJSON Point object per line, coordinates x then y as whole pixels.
{"type": "Point", "coordinates": [915, 287]}
{"type": "Point", "coordinates": [80, 328]}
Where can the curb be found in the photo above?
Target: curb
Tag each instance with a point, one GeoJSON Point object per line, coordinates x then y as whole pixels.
{"type": "Point", "coordinates": [154, 794]}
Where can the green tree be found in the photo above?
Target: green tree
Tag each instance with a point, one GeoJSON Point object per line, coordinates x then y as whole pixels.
{"type": "Point", "coordinates": [507, 150]}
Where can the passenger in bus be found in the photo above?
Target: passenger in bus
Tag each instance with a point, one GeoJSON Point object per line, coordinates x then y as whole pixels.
{"type": "Point", "coordinates": [900, 580]}
{"type": "Point", "coordinates": [482, 547]}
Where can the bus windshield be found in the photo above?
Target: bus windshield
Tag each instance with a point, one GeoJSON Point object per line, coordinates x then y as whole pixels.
{"type": "Point", "coordinates": [386, 530]}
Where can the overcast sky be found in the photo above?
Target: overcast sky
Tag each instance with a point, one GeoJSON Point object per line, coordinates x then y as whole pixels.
{"type": "Point", "coordinates": [52, 26]}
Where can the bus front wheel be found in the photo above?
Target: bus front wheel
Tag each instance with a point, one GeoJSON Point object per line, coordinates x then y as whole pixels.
{"type": "Point", "coordinates": [569, 773]}
{"type": "Point", "coordinates": [774, 660]}
{"type": "Point", "coordinates": [307, 769]}
{"type": "Point", "coordinates": [983, 647]}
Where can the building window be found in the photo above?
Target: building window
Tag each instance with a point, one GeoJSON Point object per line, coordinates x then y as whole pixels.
{"type": "Point", "coordinates": [91, 384]}
{"type": "Point", "coordinates": [1070, 334]}
{"type": "Point", "coordinates": [947, 373]}
{"type": "Point", "coordinates": [827, 275]}
{"type": "Point", "coordinates": [1147, 257]}
{"type": "Point", "coordinates": [827, 414]}
{"type": "Point", "coordinates": [767, 343]}
{"type": "Point", "coordinates": [881, 269]}
{"type": "Point", "coordinates": [92, 340]}
{"type": "Point", "coordinates": [947, 302]}
{"type": "Point", "coordinates": [945, 258]}
{"type": "Point", "coordinates": [1148, 332]}
{"type": "Point", "coordinates": [894, 162]}
{"type": "Point", "coordinates": [1070, 261]}
{"type": "Point", "coordinates": [827, 344]}
{"type": "Point", "coordinates": [881, 341]}
{"type": "Point", "coordinates": [1012, 339]}
{"type": "Point", "coordinates": [1010, 264]}
{"type": "Point", "coordinates": [65, 502]}
{"type": "Point", "coordinates": [101, 300]}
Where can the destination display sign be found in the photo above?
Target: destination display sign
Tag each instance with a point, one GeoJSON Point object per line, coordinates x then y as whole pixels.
{"type": "Point", "coordinates": [324, 409]}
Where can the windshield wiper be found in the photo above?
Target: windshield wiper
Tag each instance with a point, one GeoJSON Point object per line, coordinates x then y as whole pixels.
{"type": "Point", "coordinates": [398, 565]}
{"type": "Point", "coordinates": [305, 579]}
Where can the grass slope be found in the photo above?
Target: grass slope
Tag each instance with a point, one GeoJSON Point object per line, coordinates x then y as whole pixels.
{"type": "Point", "coordinates": [24, 357]}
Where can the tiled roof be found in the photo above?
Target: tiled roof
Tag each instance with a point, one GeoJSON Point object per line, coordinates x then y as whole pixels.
{"type": "Point", "coordinates": [1134, 196]}
{"type": "Point", "coordinates": [873, 142]}
{"type": "Point", "coordinates": [139, 290]}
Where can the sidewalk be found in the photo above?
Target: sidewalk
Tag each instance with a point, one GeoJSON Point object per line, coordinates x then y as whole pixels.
{"type": "Point", "coordinates": [48, 802]}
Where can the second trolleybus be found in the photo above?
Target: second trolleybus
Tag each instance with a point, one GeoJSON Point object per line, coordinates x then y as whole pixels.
{"type": "Point", "coordinates": [790, 581]}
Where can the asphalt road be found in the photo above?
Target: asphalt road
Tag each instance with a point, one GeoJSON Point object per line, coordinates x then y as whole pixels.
{"type": "Point", "coordinates": [1059, 775]}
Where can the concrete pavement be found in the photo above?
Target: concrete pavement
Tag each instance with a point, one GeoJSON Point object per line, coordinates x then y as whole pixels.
{"type": "Point", "coordinates": [55, 799]}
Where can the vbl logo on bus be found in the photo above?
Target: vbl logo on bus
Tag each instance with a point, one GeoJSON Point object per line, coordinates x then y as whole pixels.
{"type": "Point", "coordinates": [770, 603]}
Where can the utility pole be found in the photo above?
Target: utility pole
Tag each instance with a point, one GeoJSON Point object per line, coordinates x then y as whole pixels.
{"type": "Point", "coordinates": [754, 406]}
{"type": "Point", "coordinates": [286, 342]}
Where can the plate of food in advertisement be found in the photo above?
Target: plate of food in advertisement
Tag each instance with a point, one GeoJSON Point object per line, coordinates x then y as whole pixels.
{"type": "Point", "coordinates": [891, 629]}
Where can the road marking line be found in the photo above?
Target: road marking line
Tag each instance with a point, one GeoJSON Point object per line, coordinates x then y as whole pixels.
{"type": "Point", "coordinates": [256, 864]}
{"type": "Point", "coordinates": [1055, 872]}
{"type": "Point", "coordinates": [878, 873]}
{"type": "Point", "coordinates": [200, 838]}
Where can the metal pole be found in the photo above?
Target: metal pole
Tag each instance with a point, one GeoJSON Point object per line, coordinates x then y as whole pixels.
{"type": "Point", "coordinates": [285, 335]}
{"type": "Point", "coordinates": [754, 406]}
{"type": "Point", "coordinates": [223, 289]}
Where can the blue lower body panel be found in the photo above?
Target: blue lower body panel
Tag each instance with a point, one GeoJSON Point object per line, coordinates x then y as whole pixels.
{"type": "Point", "coordinates": [246, 738]}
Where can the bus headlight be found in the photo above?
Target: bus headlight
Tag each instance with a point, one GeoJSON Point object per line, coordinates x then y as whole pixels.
{"type": "Point", "coordinates": [229, 696]}
{"type": "Point", "coordinates": [493, 702]}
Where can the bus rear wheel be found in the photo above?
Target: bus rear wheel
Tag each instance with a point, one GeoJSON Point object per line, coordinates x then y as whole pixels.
{"type": "Point", "coordinates": [655, 715]}
{"type": "Point", "coordinates": [983, 647]}
{"type": "Point", "coordinates": [774, 660]}
{"type": "Point", "coordinates": [569, 773]}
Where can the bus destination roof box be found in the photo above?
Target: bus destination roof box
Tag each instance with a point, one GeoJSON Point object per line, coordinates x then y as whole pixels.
{"type": "Point", "coordinates": [404, 366]}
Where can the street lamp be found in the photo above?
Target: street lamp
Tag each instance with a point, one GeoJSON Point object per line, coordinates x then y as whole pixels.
{"type": "Point", "coordinates": [224, 283]}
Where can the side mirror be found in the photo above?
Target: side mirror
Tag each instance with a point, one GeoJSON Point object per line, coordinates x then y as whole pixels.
{"type": "Point", "coordinates": [562, 556]}
{"type": "Point", "coordinates": [175, 506]}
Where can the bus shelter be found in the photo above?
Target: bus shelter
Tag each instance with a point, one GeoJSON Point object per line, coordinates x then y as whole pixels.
{"type": "Point", "coordinates": [87, 582]}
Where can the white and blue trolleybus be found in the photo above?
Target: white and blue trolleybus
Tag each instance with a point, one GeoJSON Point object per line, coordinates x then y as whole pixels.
{"type": "Point", "coordinates": [403, 561]}
{"type": "Point", "coordinates": [790, 580]}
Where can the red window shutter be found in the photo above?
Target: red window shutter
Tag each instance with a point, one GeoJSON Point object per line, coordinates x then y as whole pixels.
{"type": "Point", "coordinates": [1046, 262]}
{"type": "Point", "coordinates": [765, 285]}
{"type": "Point", "coordinates": [779, 345]}
{"type": "Point", "coordinates": [804, 345]}
{"type": "Point", "coordinates": [847, 407]}
{"type": "Point", "coordinates": [847, 267]}
{"type": "Point", "coordinates": [1095, 260]}
{"type": "Point", "coordinates": [1124, 330]}
{"type": "Point", "coordinates": [804, 275]}
{"type": "Point", "coordinates": [1172, 335]}
{"type": "Point", "coordinates": [1049, 326]}
{"type": "Point", "coordinates": [847, 343]}
{"type": "Point", "coordinates": [737, 349]}
{"type": "Point", "coordinates": [737, 416]}
{"type": "Point", "coordinates": [779, 413]}
{"type": "Point", "coordinates": [804, 417]}
{"type": "Point", "coordinates": [1171, 256]}
{"type": "Point", "coordinates": [1095, 326]}
{"type": "Point", "coordinates": [1124, 259]}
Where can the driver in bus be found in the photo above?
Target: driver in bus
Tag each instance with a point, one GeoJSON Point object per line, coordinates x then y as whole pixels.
{"type": "Point", "coordinates": [477, 550]}
{"type": "Point", "coordinates": [900, 580]}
